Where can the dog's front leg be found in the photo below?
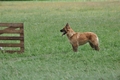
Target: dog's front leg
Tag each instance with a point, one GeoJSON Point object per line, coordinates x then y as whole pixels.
{"type": "Point", "coordinates": [75, 47]}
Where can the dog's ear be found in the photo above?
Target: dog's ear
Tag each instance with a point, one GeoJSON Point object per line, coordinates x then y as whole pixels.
{"type": "Point", "coordinates": [67, 26]}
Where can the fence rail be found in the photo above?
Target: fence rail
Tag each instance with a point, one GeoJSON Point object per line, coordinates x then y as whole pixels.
{"type": "Point", "coordinates": [12, 28]}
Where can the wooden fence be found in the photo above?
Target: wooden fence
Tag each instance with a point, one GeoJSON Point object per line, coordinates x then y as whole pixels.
{"type": "Point", "coordinates": [12, 36]}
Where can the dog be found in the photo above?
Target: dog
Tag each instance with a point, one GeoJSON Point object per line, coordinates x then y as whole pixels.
{"type": "Point", "coordinates": [76, 39]}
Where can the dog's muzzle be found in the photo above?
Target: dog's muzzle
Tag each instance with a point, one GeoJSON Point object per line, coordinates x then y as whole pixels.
{"type": "Point", "coordinates": [64, 32]}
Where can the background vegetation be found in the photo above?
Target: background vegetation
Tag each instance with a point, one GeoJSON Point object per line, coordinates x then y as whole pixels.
{"type": "Point", "coordinates": [48, 55]}
{"type": "Point", "coordinates": [58, 0]}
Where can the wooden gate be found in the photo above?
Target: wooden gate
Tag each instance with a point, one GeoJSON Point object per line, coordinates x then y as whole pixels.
{"type": "Point", "coordinates": [12, 37]}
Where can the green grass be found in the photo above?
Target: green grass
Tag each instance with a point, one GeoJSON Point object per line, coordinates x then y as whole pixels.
{"type": "Point", "coordinates": [48, 55]}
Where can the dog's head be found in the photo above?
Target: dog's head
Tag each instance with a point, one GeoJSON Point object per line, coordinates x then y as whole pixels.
{"type": "Point", "coordinates": [65, 29]}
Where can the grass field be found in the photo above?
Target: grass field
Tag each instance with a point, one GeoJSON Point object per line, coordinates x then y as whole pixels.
{"type": "Point", "coordinates": [48, 55]}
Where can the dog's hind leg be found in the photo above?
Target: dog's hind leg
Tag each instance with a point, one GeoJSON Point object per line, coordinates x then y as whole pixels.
{"type": "Point", "coordinates": [92, 45]}
{"type": "Point", "coordinates": [96, 47]}
{"type": "Point", "coordinates": [75, 47]}
{"type": "Point", "coordinates": [94, 42]}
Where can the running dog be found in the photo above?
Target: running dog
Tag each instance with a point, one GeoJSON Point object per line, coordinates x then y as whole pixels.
{"type": "Point", "coordinates": [76, 39]}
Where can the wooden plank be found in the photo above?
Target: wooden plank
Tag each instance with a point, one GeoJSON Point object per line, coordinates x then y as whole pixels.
{"type": "Point", "coordinates": [11, 31]}
{"type": "Point", "coordinates": [11, 45]}
{"type": "Point", "coordinates": [13, 51]}
{"type": "Point", "coordinates": [8, 28]}
{"type": "Point", "coordinates": [22, 41]}
{"type": "Point", "coordinates": [11, 24]}
{"type": "Point", "coordinates": [22, 48]}
{"type": "Point", "coordinates": [11, 38]}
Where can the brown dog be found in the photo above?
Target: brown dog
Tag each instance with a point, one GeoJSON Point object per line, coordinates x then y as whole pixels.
{"type": "Point", "coordinates": [76, 39]}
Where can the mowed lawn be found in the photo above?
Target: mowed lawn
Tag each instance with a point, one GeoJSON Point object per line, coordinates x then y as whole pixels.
{"type": "Point", "coordinates": [48, 55]}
